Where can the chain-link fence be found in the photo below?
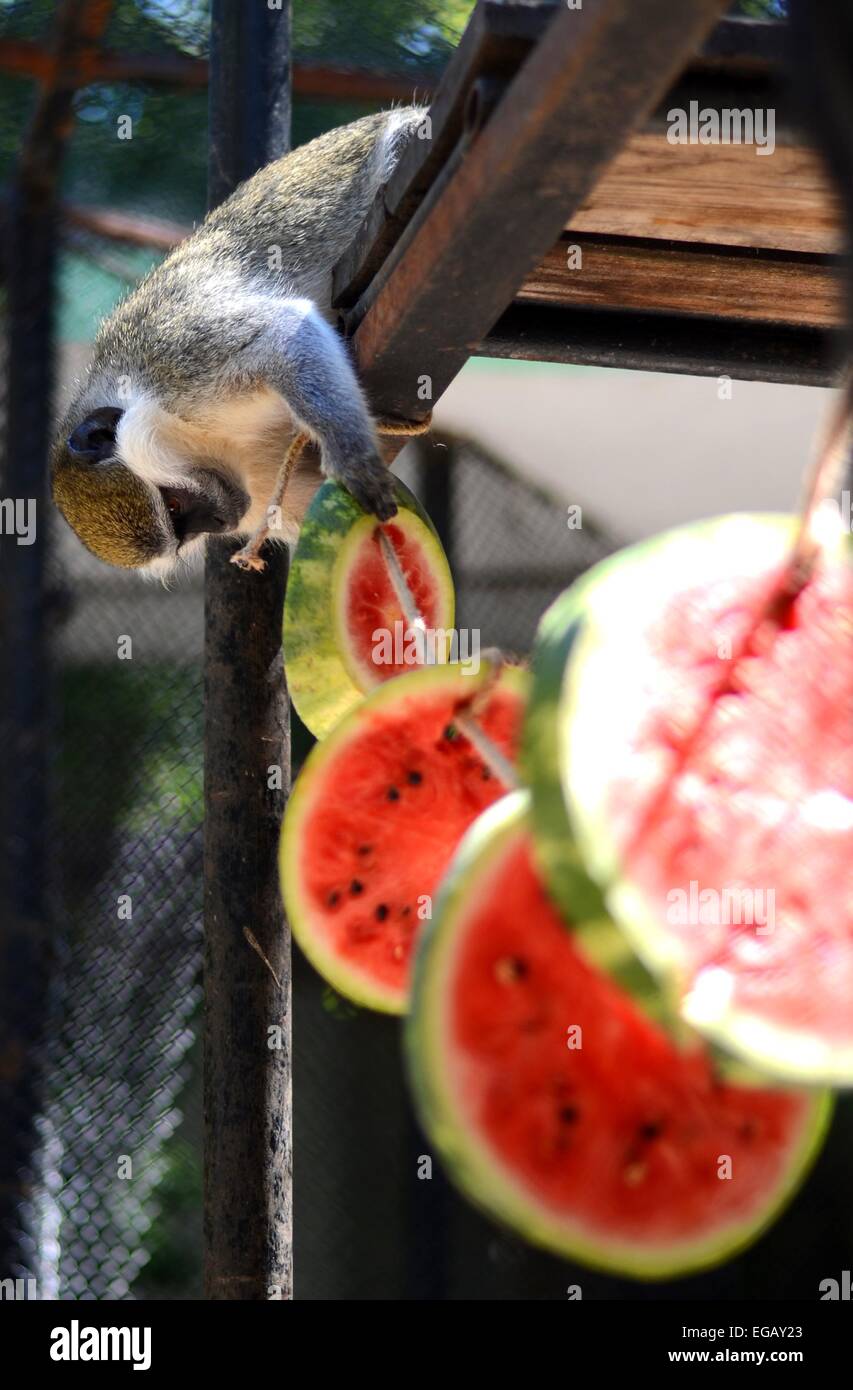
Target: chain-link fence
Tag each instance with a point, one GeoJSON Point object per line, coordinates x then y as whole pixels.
{"type": "Point", "coordinates": [113, 1205]}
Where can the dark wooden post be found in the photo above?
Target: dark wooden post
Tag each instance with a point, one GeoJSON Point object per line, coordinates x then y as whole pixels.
{"type": "Point", "coordinates": [247, 1095]}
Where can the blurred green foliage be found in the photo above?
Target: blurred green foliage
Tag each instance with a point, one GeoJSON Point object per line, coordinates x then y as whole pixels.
{"type": "Point", "coordinates": [162, 169]}
{"type": "Point", "coordinates": [762, 9]}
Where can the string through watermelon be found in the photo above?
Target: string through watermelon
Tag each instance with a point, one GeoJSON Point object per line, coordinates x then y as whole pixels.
{"type": "Point", "coordinates": [832, 464]}
{"type": "Point", "coordinates": [465, 723]}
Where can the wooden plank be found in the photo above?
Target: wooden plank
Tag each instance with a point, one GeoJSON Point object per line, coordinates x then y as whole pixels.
{"type": "Point", "coordinates": [734, 66]}
{"type": "Point", "coordinates": [588, 83]}
{"type": "Point", "coordinates": [723, 194]}
{"type": "Point", "coordinates": [683, 278]}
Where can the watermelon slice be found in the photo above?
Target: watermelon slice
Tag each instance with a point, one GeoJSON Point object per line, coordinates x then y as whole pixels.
{"type": "Point", "coordinates": [608, 1145]}
{"type": "Point", "coordinates": [376, 814]}
{"type": "Point", "coordinates": [707, 779]}
{"type": "Point", "coordinates": [345, 631]}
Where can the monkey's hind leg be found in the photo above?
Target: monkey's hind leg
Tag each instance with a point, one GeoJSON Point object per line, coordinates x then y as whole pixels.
{"type": "Point", "coordinates": [249, 557]}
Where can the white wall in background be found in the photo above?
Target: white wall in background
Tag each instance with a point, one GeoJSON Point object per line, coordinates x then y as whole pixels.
{"type": "Point", "coordinates": [640, 450]}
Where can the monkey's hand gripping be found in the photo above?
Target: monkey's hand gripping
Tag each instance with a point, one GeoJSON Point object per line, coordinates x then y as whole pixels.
{"type": "Point", "coordinates": [300, 355]}
{"type": "Point", "coordinates": [248, 558]}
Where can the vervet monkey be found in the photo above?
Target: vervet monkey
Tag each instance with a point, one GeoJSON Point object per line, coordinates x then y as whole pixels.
{"type": "Point", "coordinates": [204, 375]}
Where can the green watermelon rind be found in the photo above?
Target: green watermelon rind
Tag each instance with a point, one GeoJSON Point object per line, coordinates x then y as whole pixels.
{"type": "Point", "coordinates": [352, 983]}
{"type": "Point", "coordinates": [475, 1170]}
{"type": "Point", "coordinates": [558, 857]}
{"type": "Point", "coordinates": [319, 678]}
{"type": "Point", "coordinates": [616, 587]}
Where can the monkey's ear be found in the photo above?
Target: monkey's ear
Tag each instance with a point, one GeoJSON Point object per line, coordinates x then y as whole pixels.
{"type": "Point", "coordinates": [94, 438]}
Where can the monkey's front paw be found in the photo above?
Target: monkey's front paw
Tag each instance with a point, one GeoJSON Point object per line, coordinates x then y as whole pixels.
{"type": "Point", "coordinates": [371, 484]}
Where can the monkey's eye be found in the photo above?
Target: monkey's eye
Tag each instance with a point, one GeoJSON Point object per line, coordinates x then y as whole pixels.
{"type": "Point", "coordinates": [173, 504]}
{"type": "Point", "coordinates": [94, 439]}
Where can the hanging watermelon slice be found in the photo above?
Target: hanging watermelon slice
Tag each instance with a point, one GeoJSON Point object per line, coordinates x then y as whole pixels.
{"type": "Point", "coordinates": [345, 627]}
{"type": "Point", "coordinates": [705, 778]}
{"type": "Point", "coordinates": [376, 814]}
{"type": "Point", "coordinates": [559, 1107]}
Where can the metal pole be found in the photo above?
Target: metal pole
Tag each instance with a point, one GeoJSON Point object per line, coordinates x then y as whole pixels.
{"type": "Point", "coordinates": [27, 946]}
{"type": "Point", "coordinates": [247, 1054]}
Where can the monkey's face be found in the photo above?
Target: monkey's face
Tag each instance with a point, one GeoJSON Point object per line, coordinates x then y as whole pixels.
{"type": "Point", "coordinates": [138, 515]}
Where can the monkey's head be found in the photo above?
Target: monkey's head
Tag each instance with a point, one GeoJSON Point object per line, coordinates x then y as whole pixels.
{"type": "Point", "coordinates": [131, 485]}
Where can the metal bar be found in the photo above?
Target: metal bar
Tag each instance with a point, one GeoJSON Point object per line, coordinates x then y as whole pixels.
{"type": "Point", "coordinates": [27, 945]}
{"type": "Point", "coordinates": [497, 39]}
{"type": "Point", "coordinates": [590, 80]}
{"type": "Point", "coordinates": [247, 1048]}
{"type": "Point", "coordinates": [25, 58]}
{"type": "Point", "coordinates": [666, 343]}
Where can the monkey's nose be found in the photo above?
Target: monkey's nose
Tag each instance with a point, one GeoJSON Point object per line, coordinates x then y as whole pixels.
{"type": "Point", "coordinates": [95, 437]}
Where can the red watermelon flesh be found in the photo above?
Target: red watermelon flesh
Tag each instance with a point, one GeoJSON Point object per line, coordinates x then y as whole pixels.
{"type": "Point", "coordinates": [376, 815]}
{"type": "Point", "coordinates": [612, 1151]}
{"type": "Point", "coordinates": [372, 604]}
{"type": "Point", "coordinates": [759, 808]}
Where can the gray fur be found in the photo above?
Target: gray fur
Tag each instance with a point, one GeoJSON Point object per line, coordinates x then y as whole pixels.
{"type": "Point", "coordinates": [243, 302]}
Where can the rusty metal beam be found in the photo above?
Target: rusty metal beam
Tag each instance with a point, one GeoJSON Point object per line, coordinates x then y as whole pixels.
{"type": "Point", "coordinates": [501, 200]}
{"type": "Point", "coordinates": [323, 81]}
{"type": "Point", "coordinates": [687, 344]}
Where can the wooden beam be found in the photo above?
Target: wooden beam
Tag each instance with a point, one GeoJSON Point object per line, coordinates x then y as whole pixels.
{"type": "Point", "coordinates": [498, 38]}
{"type": "Point", "coordinates": [686, 278]}
{"type": "Point", "coordinates": [587, 84]}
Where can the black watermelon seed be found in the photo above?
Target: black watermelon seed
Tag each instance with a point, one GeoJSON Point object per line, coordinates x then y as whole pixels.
{"type": "Point", "coordinates": [568, 1115]}
{"type": "Point", "coordinates": [356, 886]}
{"type": "Point", "coordinates": [651, 1130]}
{"type": "Point", "coordinates": [393, 794]}
{"type": "Point", "coordinates": [414, 779]}
{"type": "Point", "coordinates": [406, 910]}
{"type": "Point", "coordinates": [381, 912]}
{"type": "Point", "coordinates": [333, 898]}
{"type": "Point", "coordinates": [509, 969]}
{"type": "Point", "coordinates": [364, 849]}
{"type": "Point", "coordinates": [449, 731]}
